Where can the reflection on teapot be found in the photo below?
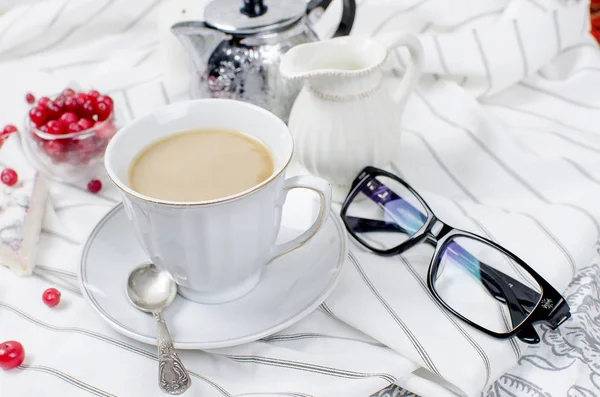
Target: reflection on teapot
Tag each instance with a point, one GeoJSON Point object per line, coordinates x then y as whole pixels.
{"type": "Point", "coordinates": [344, 120]}
{"type": "Point", "coordinates": [237, 50]}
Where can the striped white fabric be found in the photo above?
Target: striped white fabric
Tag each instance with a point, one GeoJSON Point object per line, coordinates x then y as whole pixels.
{"type": "Point", "coordinates": [499, 138]}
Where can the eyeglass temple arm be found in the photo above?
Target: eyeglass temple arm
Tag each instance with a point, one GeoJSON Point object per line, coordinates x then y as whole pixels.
{"type": "Point", "coordinates": [517, 315]}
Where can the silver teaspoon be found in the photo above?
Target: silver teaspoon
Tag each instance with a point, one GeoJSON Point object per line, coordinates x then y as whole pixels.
{"type": "Point", "coordinates": [151, 290]}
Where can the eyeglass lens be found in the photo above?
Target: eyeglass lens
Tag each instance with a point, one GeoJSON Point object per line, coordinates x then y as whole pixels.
{"type": "Point", "coordinates": [484, 285]}
{"type": "Point", "coordinates": [385, 213]}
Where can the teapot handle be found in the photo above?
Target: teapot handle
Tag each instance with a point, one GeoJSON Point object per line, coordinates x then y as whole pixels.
{"type": "Point", "coordinates": [396, 39]}
{"type": "Point", "coordinates": [348, 15]}
{"type": "Point", "coordinates": [254, 8]}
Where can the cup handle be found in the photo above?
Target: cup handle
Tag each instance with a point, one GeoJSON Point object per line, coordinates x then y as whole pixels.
{"type": "Point", "coordinates": [317, 185]}
{"type": "Point", "coordinates": [395, 39]}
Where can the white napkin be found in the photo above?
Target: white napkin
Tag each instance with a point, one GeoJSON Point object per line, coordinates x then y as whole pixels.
{"type": "Point", "coordinates": [498, 138]}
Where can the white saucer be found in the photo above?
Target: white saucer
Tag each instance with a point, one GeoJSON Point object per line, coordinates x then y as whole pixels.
{"type": "Point", "coordinates": [291, 287]}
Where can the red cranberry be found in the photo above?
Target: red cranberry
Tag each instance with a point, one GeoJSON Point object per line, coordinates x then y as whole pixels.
{"type": "Point", "coordinates": [53, 110]}
{"type": "Point", "coordinates": [60, 102]}
{"type": "Point", "coordinates": [107, 99]}
{"type": "Point", "coordinates": [56, 149]}
{"type": "Point", "coordinates": [101, 145]}
{"type": "Point", "coordinates": [51, 297]}
{"type": "Point", "coordinates": [43, 101]}
{"type": "Point", "coordinates": [94, 186]}
{"type": "Point", "coordinates": [71, 104]}
{"type": "Point", "coordinates": [67, 92]}
{"type": "Point", "coordinates": [86, 123]}
{"type": "Point", "coordinates": [30, 98]}
{"type": "Point", "coordinates": [9, 177]}
{"type": "Point", "coordinates": [9, 129]}
{"type": "Point", "coordinates": [81, 98]}
{"type": "Point", "coordinates": [103, 108]}
{"type": "Point", "coordinates": [74, 127]}
{"type": "Point", "coordinates": [84, 146]}
{"type": "Point", "coordinates": [93, 94]}
{"type": "Point", "coordinates": [55, 127]}
{"type": "Point", "coordinates": [88, 109]}
{"type": "Point", "coordinates": [105, 130]}
{"type": "Point", "coordinates": [68, 118]}
{"type": "Point", "coordinates": [44, 129]}
{"type": "Point", "coordinates": [12, 354]}
{"type": "Point", "coordinates": [38, 115]}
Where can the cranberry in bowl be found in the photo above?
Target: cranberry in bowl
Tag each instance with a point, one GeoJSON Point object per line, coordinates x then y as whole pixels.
{"type": "Point", "coordinates": [67, 136]}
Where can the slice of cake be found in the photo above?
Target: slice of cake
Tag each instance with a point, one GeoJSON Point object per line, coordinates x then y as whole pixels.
{"type": "Point", "coordinates": [21, 210]}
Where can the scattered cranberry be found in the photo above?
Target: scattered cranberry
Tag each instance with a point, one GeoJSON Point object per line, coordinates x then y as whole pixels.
{"type": "Point", "coordinates": [85, 123]}
{"type": "Point", "coordinates": [51, 297]}
{"type": "Point", "coordinates": [94, 186]}
{"type": "Point", "coordinates": [67, 92]}
{"type": "Point", "coordinates": [30, 98]}
{"type": "Point", "coordinates": [43, 101]}
{"type": "Point", "coordinates": [74, 127]}
{"type": "Point", "coordinates": [12, 354]}
{"type": "Point", "coordinates": [6, 132]}
{"type": "Point", "coordinates": [55, 127]}
{"type": "Point", "coordinates": [38, 116]}
{"type": "Point", "coordinates": [9, 177]}
{"type": "Point", "coordinates": [68, 118]}
{"type": "Point", "coordinates": [9, 129]}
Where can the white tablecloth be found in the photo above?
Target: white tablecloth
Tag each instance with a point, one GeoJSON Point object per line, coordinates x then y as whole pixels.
{"type": "Point", "coordinates": [499, 137]}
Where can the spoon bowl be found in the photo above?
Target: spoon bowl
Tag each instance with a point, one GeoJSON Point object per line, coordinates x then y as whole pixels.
{"type": "Point", "coordinates": [150, 289]}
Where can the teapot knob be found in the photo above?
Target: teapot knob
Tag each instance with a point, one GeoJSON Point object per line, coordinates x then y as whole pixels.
{"type": "Point", "coordinates": [254, 8]}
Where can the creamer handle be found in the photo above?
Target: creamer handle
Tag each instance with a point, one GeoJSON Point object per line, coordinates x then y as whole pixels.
{"type": "Point", "coordinates": [414, 68]}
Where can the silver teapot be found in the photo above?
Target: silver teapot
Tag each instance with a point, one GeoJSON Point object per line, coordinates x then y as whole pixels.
{"type": "Point", "coordinates": [237, 49]}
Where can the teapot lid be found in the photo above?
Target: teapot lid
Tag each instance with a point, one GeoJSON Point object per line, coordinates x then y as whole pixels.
{"type": "Point", "coordinates": [252, 16]}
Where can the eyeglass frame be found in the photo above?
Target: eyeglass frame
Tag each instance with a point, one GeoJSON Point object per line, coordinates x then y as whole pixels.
{"type": "Point", "coordinates": [551, 306]}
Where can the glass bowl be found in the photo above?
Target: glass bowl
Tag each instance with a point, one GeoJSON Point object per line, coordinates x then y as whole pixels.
{"type": "Point", "coordinates": [71, 158]}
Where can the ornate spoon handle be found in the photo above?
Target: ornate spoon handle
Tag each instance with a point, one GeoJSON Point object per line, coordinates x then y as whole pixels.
{"type": "Point", "coordinates": [173, 378]}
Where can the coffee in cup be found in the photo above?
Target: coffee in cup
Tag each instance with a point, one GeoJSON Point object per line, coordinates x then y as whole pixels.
{"type": "Point", "coordinates": [201, 165]}
{"type": "Point", "coordinates": [213, 231]}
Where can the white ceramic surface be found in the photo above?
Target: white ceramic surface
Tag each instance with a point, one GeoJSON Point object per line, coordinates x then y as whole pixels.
{"type": "Point", "coordinates": [215, 250]}
{"type": "Point", "coordinates": [343, 119]}
{"type": "Point", "coordinates": [291, 288]}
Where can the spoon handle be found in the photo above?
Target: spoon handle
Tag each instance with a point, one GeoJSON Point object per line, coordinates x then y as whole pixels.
{"type": "Point", "coordinates": [173, 378]}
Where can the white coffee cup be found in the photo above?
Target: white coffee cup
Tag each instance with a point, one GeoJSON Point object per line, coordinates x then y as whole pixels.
{"type": "Point", "coordinates": [215, 250]}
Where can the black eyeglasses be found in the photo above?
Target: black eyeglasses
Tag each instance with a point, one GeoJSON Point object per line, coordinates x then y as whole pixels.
{"type": "Point", "coordinates": [474, 278]}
